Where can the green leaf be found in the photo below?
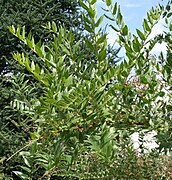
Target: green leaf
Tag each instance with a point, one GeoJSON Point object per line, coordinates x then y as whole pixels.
{"type": "Point", "coordinates": [108, 2]}
{"type": "Point", "coordinates": [64, 49]}
{"type": "Point", "coordinates": [83, 5]}
{"type": "Point", "coordinates": [54, 27]}
{"type": "Point", "coordinates": [124, 73]}
{"type": "Point", "coordinates": [146, 26]}
{"type": "Point", "coordinates": [37, 72]}
{"type": "Point", "coordinates": [149, 18]}
{"type": "Point", "coordinates": [32, 66]}
{"type": "Point", "coordinates": [153, 15]}
{"type": "Point", "coordinates": [169, 15]}
{"type": "Point", "coordinates": [119, 17]}
{"type": "Point", "coordinates": [27, 64]}
{"type": "Point", "coordinates": [110, 18]}
{"type": "Point", "coordinates": [18, 33]}
{"type": "Point", "coordinates": [93, 2]}
{"type": "Point", "coordinates": [117, 70]}
{"type": "Point", "coordinates": [86, 20]}
{"type": "Point", "coordinates": [137, 43]}
{"type": "Point", "coordinates": [121, 38]}
{"type": "Point", "coordinates": [66, 99]}
{"type": "Point", "coordinates": [114, 9]}
{"type": "Point", "coordinates": [21, 175]}
{"type": "Point", "coordinates": [141, 35]}
{"type": "Point", "coordinates": [161, 94]}
{"type": "Point", "coordinates": [26, 169]}
{"type": "Point", "coordinates": [26, 161]}
{"type": "Point", "coordinates": [99, 21]}
{"type": "Point", "coordinates": [143, 80]}
{"type": "Point", "coordinates": [90, 45]}
{"type": "Point", "coordinates": [136, 47]}
{"type": "Point", "coordinates": [151, 123]}
{"type": "Point", "coordinates": [101, 39]}
{"type": "Point", "coordinates": [130, 55]}
{"type": "Point", "coordinates": [118, 87]}
{"type": "Point", "coordinates": [12, 29]}
{"type": "Point", "coordinates": [168, 7]}
{"type": "Point", "coordinates": [29, 43]}
{"type": "Point", "coordinates": [38, 51]}
{"type": "Point", "coordinates": [102, 55]}
{"type": "Point", "coordinates": [68, 81]}
{"type": "Point", "coordinates": [76, 47]}
{"type": "Point", "coordinates": [33, 42]}
{"type": "Point", "coordinates": [114, 28]}
{"type": "Point", "coordinates": [88, 28]}
{"type": "Point", "coordinates": [128, 48]}
{"type": "Point", "coordinates": [23, 32]}
{"type": "Point", "coordinates": [125, 30]}
{"type": "Point", "coordinates": [170, 27]}
{"type": "Point", "coordinates": [91, 13]}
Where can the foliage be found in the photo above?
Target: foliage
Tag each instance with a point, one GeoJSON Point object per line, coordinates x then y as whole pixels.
{"type": "Point", "coordinates": [33, 15]}
{"type": "Point", "coordinates": [82, 122]}
{"type": "Point", "coordinates": [15, 82]}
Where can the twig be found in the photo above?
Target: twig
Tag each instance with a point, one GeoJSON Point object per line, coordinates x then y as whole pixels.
{"type": "Point", "coordinates": [31, 142]}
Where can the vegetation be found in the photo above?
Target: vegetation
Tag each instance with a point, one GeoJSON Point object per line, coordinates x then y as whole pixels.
{"type": "Point", "coordinates": [15, 81]}
{"type": "Point", "coordinates": [79, 126]}
{"type": "Point", "coordinates": [32, 14]}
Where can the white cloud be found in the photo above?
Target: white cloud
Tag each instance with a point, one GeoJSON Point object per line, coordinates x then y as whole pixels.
{"type": "Point", "coordinates": [131, 5]}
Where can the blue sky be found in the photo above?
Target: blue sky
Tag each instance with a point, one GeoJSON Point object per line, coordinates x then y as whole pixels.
{"type": "Point", "coordinates": [134, 11]}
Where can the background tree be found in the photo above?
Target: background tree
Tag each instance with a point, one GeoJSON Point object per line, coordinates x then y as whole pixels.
{"type": "Point", "coordinates": [33, 14]}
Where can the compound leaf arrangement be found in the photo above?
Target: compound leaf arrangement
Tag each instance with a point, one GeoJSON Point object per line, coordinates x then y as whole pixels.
{"type": "Point", "coordinates": [91, 103]}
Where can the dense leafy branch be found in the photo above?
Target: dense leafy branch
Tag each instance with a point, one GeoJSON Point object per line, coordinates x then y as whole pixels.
{"type": "Point", "coordinates": [87, 124]}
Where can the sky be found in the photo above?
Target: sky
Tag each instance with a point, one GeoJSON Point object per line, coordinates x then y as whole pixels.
{"type": "Point", "coordinates": [134, 11]}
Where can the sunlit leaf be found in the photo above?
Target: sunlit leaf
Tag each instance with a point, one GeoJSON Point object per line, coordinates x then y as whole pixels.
{"type": "Point", "coordinates": [108, 2]}
{"type": "Point", "coordinates": [99, 21]}
{"type": "Point", "coordinates": [125, 30]}
{"type": "Point", "coordinates": [141, 35]}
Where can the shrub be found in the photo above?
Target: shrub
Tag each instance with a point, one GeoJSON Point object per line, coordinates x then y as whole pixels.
{"type": "Point", "coordinates": [83, 120]}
